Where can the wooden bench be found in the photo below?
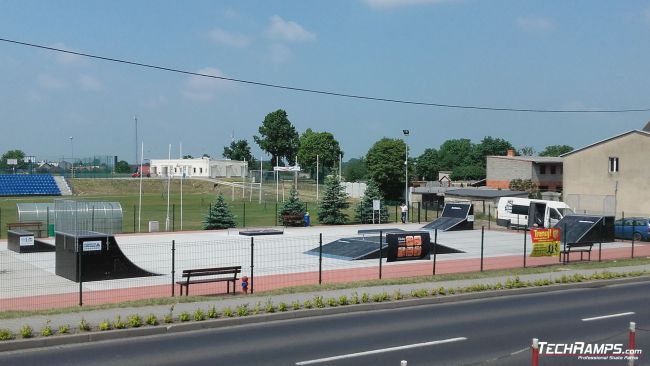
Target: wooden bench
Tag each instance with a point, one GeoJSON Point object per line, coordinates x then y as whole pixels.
{"type": "Point", "coordinates": [576, 248]}
{"type": "Point", "coordinates": [36, 227]}
{"type": "Point", "coordinates": [219, 274]}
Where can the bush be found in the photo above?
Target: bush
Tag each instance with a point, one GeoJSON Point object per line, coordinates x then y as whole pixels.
{"type": "Point", "coordinates": [184, 316]}
{"type": "Point", "coordinates": [319, 302]}
{"type": "Point", "coordinates": [365, 298]}
{"type": "Point", "coordinates": [119, 323]}
{"type": "Point", "coordinates": [26, 331]}
{"type": "Point", "coordinates": [151, 320]}
{"type": "Point", "coordinates": [6, 335]}
{"type": "Point", "coordinates": [332, 302]}
{"type": "Point", "coordinates": [282, 307]}
{"type": "Point", "coordinates": [199, 315]}
{"type": "Point", "coordinates": [308, 304]}
{"type": "Point", "coordinates": [105, 325]}
{"type": "Point", "coordinates": [242, 310]}
{"type": "Point", "coordinates": [84, 326]}
{"type": "Point", "coordinates": [47, 330]}
{"type": "Point", "coordinates": [134, 321]}
{"type": "Point", "coordinates": [228, 312]}
{"type": "Point", "coordinates": [295, 305]}
{"type": "Point", "coordinates": [270, 308]}
{"type": "Point", "coordinates": [258, 308]}
{"type": "Point", "coordinates": [343, 300]}
{"type": "Point", "coordinates": [420, 293]}
{"type": "Point", "coordinates": [64, 329]}
{"type": "Point", "coordinates": [212, 312]}
{"type": "Point", "coordinates": [397, 295]}
{"type": "Point", "coordinates": [354, 299]}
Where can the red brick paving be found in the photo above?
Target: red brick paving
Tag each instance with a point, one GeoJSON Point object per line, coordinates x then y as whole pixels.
{"type": "Point", "coordinates": [270, 282]}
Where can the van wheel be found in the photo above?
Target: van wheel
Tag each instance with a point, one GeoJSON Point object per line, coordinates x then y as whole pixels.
{"type": "Point", "coordinates": [637, 237]}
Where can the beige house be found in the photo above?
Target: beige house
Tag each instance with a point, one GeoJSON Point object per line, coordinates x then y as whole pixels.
{"type": "Point", "coordinates": [610, 177]}
{"type": "Point", "coordinates": [544, 171]}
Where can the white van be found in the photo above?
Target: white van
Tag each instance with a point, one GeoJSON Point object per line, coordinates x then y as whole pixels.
{"type": "Point", "coordinates": [516, 212]}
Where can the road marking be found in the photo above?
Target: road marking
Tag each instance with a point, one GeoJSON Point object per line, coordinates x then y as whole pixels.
{"type": "Point", "coordinates": [520, 351]}
{"type": "Point", "coordinates": [382, 350]}
{"type": "Point", "coordinates": [607, 316]}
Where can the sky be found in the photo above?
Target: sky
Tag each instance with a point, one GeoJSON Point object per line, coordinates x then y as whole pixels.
{"type": "Point", "coordinates": [547, 54]}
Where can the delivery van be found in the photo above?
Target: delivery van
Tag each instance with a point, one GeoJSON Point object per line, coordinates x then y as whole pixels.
{"type": "Point", "coordinates": [516, 212]}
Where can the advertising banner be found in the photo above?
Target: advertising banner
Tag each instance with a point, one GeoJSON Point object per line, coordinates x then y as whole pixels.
{"type": "Point", "coordinates": [408, 245]}
{"type": "Point", "coordinates": [546, 242]}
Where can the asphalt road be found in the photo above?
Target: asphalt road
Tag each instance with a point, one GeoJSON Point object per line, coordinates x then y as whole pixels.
{"type": "Point", "coordinates": [494, 331]}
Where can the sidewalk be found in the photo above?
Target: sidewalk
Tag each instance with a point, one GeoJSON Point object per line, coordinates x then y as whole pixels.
{"type": "Point", "coordinates": [97, 316]}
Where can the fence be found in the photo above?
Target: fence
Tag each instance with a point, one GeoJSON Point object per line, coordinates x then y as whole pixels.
{"type": "Point", "coordinates": [28, 281]}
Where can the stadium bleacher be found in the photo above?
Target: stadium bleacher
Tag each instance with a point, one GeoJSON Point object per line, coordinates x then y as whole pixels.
{"type": "Point", "coordinates": [28, 185]}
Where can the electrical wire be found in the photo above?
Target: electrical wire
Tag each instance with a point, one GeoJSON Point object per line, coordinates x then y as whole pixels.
{"type": "Point", "coordinates": [324, 92]}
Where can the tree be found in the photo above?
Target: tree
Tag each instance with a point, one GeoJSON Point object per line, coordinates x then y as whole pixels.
{"type": "Point", "coordinates": [354, 170]}
{"type": "Point", "coordinates": [219, 216]}
{"type": "Point", "coordinates": [122, 167]}
{"type": "Point", "coordinates": [19, 155]}
{"type": "Point", "coordinates": [427, 165]}
{"type": "Point", "coordinates": [322, 144]}
{"type": "Point", "coordinates": [238, 150]}
{"type": "Point", "coordinates": [292, 209]}
{"type": "Point", "coordinates": [490, 146]}
{"type": "Point", "coordinates": [556, 150]}
{"type": "Point", "coordinates": [527, 151]}
{"type": "Point", "coordinates": [334, 201]}
{"type": "Point", "coordinates": [468, 172]}
{"type": "Point", "coordinates": [455, 153]}
{"type": "Point", "coordinates": [363, 211]}
{"type": "Point", "coordinates": [525, 185]}
{"type": "Point", "coordinates": [278, 137]}
{"type": "Point", "coordinates": [385, 164]}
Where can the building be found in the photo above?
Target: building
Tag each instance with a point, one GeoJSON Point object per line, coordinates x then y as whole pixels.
{"type": "Point", "coordinates": [198, 168]}
{"type": "Point", "coordinates": [610, 177]}
{"type": "Point", "coordinates": [546, 172]}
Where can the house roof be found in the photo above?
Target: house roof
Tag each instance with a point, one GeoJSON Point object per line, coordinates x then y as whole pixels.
{"type": "Point", "coordinates": [643, 133]}
{"type": "Point", "coordinates": [485, 193]}
{"type": "Point", "coordinates": [532, 159]}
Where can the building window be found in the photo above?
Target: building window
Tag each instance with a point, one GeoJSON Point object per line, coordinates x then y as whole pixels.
{"type": "Point", "coordinates": [542, 169]}
{"type": "Point", "coordinates": [200, 170]}
{"type": "Point", "coordinates": [553, 169]}
{"type": "Point", "coordinates": [194, 170]}
{"type": "Point", "coordinates": [613, 165]}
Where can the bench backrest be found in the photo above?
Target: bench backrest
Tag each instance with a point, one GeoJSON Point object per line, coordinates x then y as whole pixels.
{"type": "Point", "coordinates": [212, 271]}
{"type": "Point", "coordinates": [575, 245]}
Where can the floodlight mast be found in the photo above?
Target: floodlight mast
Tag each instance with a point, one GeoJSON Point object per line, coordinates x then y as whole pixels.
{"type": "Point", "coordinates": [406, 171]}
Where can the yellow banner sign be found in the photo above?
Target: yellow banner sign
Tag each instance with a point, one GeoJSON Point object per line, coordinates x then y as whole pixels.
{"type": "Point", "coordinates": [546, 242]}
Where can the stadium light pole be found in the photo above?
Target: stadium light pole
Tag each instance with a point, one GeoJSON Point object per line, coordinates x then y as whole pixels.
{"type": "Point", "coordinates": [72, 153]}
{"type": "Point", "coordinates": [406, 170]}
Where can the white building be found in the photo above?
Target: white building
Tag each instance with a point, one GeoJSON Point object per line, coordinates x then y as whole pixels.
{"type": "Point", "coordinates": [198, 167]}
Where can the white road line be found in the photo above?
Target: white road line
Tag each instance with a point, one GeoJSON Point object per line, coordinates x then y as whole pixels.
{"type": "Point", "coordinates": [382, 350]}
{"type": "Point", "coordinates": [608, 316]}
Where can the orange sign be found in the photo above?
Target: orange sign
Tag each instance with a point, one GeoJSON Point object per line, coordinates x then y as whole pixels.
{"type": "Point", "coordinates": [546, 242]}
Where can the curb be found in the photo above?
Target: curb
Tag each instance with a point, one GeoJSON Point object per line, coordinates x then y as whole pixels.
{"type": "Point", "coordinates": [96, 336]}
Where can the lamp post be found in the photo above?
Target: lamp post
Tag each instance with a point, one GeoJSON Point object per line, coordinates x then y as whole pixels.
{"type": "Point", "coordinates": [72, 157]}
{"type": "Point", "coordinates": [406, 170]}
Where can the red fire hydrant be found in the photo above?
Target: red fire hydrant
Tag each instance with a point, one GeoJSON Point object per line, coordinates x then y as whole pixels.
{"type": "Point", "coordinates": [244, 284]}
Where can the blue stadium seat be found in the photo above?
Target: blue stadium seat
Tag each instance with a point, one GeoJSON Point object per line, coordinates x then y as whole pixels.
{"type": "Point", "coordinates": [28, 185]}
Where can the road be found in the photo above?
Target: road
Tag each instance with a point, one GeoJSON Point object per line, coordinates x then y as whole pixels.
{"type": "Point", "coordinates": [493, 331]}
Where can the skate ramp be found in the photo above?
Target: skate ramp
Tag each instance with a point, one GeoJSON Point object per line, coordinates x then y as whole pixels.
{"type": "Point", "coordinates": [455, 216]}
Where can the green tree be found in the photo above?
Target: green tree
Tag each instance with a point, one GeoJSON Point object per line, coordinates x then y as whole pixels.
{"type": "Point", "coordinates": [122, 167]}
{"type": "Point", "coordinates": [354, 169]}
{"type": "Point", "coordinates": [220, 216]}
{"type": "Point", "coordinates": [322, 144]}
{"type": "Point", "coordinates": [13, 154]}
{"type": "Point", "coordinates": [556, 150]}
{"type": "Point", "coordinates": [385, 164]}
{"type": "Point", "coordinates": [292, 207]}
{"type": "Point", "coordinates": [525, 185]}
{"type": "Point", "coordinates": [278, 137]}
{"type": "Point", "coordinates": [527, 151]}
{"type": "Point", "coordinates": [334, 201]}
{"type": "Point", "coordinates": [455, 153]}
{"type": "Point", "coordinates": [426, 166]}
{"type": "Point", "coordinates": [363, 210]}
{"type": "Point", "coordinates": [468, 172]}
{"type": "Point", "coordinates": [490, 146]}
{"type": "Point", "coordinates": [239, 150]}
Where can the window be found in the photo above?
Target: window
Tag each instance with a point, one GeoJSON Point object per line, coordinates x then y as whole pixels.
{"type": "Point", "coordinates": [613, 165]}
{"type": "Point", "coordinates": [542, 169]}
{"type": "Point", "coordinates": [553, 169]}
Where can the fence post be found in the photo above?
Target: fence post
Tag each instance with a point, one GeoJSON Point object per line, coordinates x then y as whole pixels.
{"type": "Point", "coordinates": [524, 248]}
{"type": "Point", "coordinates": [632, 340]}
{"type": "Point", "coordinates": [276, 214]}
{"type": "Point", "coordinates": [489, 216]}
{"type": "Point", "coordinates": [426, 211]}
{"type": "Point", "coordinates": [633, 232]}
{"type": "Point", "coordinates": [535, 352]}
{"type": "Point", "coordinates": [482, 239]}
{"type": "Point", "coordinates": [320, 258]}
{"type": "Point", "coordinates": [396, 213]}
{"type": "Point", "coordinates": [418, 212]}
{"type": "Point", "coordinates": [381, 236]}
{"type": "Point", "coordinates": [252, 264]}
{"type": "Point", "coordinates": [435, 245]}
{"type": "Point", "coordinates": [173, 266]}
{"type": "Point", "coordinates": [244, 224]}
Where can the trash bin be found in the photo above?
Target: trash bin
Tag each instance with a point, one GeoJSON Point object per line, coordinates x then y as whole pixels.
{"type": "Point", "coordinates": [50, 230]}
{"type": "Point", "coordinates": [307, 219]}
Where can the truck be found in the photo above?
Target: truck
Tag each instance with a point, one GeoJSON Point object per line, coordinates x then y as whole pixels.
{"type": "Point", "coordinates": [519, 213]}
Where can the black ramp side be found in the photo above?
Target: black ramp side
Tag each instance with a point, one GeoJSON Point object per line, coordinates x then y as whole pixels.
{"type": "Point", "coordinates": [586, 229]}
{"type": "Point", "coordinates": [455, 216]}
{"type": "Point", "coordinates": [443, 223]}
{"type": "Point", "coordinates": [101, 258]}
{"type": "Point", "coordinates": [358, 248]}
{"type": "Point", "coordinates": [458, 210]}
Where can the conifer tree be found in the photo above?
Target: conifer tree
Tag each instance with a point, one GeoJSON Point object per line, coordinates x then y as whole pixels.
{"type": "Point", "coordinates": [363, 211]}
{"type": "Point", "coordinates": [330, 210]}
{"type": "Point", "coordinates": [292, 207]}
{"type": "Point", "coordinates": [219, 216]}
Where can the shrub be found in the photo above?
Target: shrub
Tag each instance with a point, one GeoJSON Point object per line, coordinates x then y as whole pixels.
{"type": "Point", "coordinates": [242, 310]}
{"type": "Point", "coordinates": [365, 298]}
{"type": "Point", "coordinates": [212, 312]}
{"type": "Point", "coordinates": [381, 297]}
{"type": "Point", "coordinates": [199, 315]}
{"type": "Point", "coordinates": [151, 320]}
{"type": "Point", "coordinates": [295, 305]}
{"type": "Point", "coordinates": [6, 335]}
{"type": "Point", "coordinates": [119, 323]}
{"type": "Point", "coordinates": [228, 312]}
{"type": "Point", "coordinates": [47, 330]}
{"type": "Point", "coordinates": [269, 307]}
{"type": "Point", "coordinates": [282, 307]}
{"type": "Point", "coordinates": [332, 302]}
{"type": "Point", "coordinates": [354, 299]}
{"type": "Point", "coordinates": [441, 291]}
{"type": "Point", "coordinates": [184, 316]}
{"type": "Point", "coordinates": [64, 329]}
{"type": "Point", "coordinates": [319, 302]}
{"type": "Point", "coordinates": [258, 308]}
{"type": "Point", "coordinates": [83, 325]}
{"type": "Point", "coordinates": [397, 295]}
{"type": "Point", "coordinates": [134, 321]}
{"type": "Point", "coordinates": [168, 318]}
{"type": "Point", "coordinates": [308, 304]}
{"type": "Point", "coordinates": [105, 325]}
{"type": "Point", "coordinates": [343, 300]}
{"type": "Point", "coordinates": [420, 293]}
{"type": "Point", "coordinates": [26, 331]}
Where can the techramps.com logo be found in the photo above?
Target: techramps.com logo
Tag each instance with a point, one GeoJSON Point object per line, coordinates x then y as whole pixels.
{"type": "Point", "coordinates": [589, 351]}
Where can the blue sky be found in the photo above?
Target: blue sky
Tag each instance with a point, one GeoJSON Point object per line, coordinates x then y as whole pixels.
{"type": "Point", "coordinates": [518, 54]}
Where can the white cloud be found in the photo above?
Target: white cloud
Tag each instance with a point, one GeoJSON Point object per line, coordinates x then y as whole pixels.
{"type": "Point", "coordinates": [66, 58]}
{"type": "Point", "coordinates": [535, 24]}
{"type": "Point", "coordinates": [51, 82]}
{"type": "Point", "coordinates": [290, 31]}
{"type": "Point", "coordinates": [386, 4]}
{"type": "Point", "coordinates": [88, 82]}
{"type": "Point", "coordinates": [279, 53]}
{"type": "Point", "coordinates": [222, 37]}
{"type": "Point", "coordinates": [202, 89]}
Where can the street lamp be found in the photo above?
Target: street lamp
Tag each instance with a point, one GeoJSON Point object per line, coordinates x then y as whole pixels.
{"type": "Point", "coordinates": [72, 153]}
{"type": "Point", "coordinates": [406, 170]}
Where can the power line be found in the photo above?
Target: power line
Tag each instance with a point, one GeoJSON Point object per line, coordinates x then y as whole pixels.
{"type": "Point", "coordinates": [330, 93]}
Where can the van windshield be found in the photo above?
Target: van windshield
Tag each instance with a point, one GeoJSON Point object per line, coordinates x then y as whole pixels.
{"type": "Point", "coordinates": [565, 211]}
